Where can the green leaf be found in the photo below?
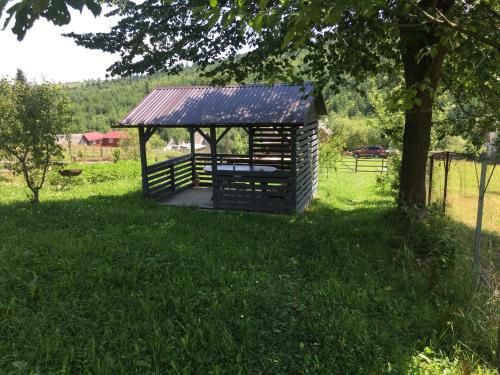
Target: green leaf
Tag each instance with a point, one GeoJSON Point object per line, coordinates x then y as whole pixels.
{"type": "Point", "coordinates": [40, 5]}
{"type": "Point", "coordinates": [213, 3]}
{"type": "Point", "coordinates": [212, 20]}
{"type": "Point", "coordinates": [256, 23]}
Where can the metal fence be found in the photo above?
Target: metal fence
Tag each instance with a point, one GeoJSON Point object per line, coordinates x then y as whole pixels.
{"type": "Point", "coordinates": [467, 188]}
{"type": "Point", "coordinates": [453, 183]}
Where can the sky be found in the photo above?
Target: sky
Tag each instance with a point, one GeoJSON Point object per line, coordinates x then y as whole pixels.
{"type": "Point", "coordinates": [45, 53]}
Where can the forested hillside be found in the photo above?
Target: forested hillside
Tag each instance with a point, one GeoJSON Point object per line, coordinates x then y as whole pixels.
{"type": "Point", "coordinates": [101, 103]}
{"type": "Point", "coordinates": [359, 115]}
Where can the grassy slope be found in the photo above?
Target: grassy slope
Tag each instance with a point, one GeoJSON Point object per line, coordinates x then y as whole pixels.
{"type": "Point", "coordinates": [100, 281]}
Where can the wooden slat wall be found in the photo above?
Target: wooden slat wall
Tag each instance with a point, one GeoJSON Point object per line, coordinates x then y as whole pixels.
{"type": "Point", "coordinates": [272, 146]}
{"type": "Point", "coordinates": [307, 143]}
{"type": "Point", "coordinates": [254, 191]}
{"type": "Point", "coordinates": [169, 176]}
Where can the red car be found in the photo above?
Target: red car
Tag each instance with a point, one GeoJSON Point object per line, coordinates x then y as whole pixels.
{"type": "Point", "coordinates": [370, 152]}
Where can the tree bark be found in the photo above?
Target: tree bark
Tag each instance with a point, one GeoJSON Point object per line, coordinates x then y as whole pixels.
{"type": "Point", "coordinates": [416, 142]}
{"type": "Point", "coordinates": [36, 197]}
{"type": "Point", "coordinates": [421, 75]}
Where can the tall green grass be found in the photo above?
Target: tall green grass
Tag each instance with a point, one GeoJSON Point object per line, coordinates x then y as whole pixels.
{"type": "Point", "coordinates": [98, 280]}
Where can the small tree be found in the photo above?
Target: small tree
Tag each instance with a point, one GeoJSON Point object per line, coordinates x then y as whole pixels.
{"type": "Point", "coordinates": [20, 76]}
{"type": "Point", "coordinates": [31, 117]}
{"type": "Point", "coordinates": [156, 143]}
{"type": "Point", "coordinates": [129, 145]}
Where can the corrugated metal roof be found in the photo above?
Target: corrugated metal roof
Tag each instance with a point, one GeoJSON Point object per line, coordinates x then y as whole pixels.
{"type": "Point", "coordinates": [229, 105]}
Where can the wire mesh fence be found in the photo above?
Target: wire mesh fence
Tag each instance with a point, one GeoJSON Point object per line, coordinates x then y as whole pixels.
{"type": "Point", "coordinates": [468, 190]}
{"type": "Point", "coordinates": [453, 183]}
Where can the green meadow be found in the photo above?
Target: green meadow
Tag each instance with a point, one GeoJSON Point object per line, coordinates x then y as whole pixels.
{"type": "Point", "coordinates": [98, 280]}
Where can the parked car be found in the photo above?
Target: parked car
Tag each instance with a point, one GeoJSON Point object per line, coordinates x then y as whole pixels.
{"type": "Point", "coordinates": [371, 152]}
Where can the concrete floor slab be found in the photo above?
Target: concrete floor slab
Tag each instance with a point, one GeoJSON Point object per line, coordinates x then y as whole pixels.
{"type": "Point", "coordinates": [194, 197]}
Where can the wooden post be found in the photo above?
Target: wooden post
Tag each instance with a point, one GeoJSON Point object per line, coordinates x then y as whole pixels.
{"type": "Point", "coordinates": [282, 148]}
{"type": "Point", "coordinates": [479, 223]}
{"type": "Point", "coordinates": [193, 156]}
{"type": "Point", "coordinates": [213, 159]}
{"type": "Point", "coordinates": [446, 170]}
{"type": "Point", "coordinates": [293, 167]}
{"type": "Point", "coordinates": [172, 177]}
{"type": "Point", "coordinates": [250, 144]}
{"type": "Point", "coordinates": [431, 169]}
{"type": "Point", "coordinates": [356, 166]}
{"type": "Point", "coordinates": [144, 162]}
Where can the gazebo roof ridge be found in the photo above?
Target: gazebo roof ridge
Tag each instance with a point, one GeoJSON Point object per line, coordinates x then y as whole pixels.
{"type": "Point", "coordinates": [230, 105]}
{"type": "Point", "coordinates": [233, 85]}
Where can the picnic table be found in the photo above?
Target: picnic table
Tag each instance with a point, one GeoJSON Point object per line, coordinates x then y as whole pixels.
{"type": "Point", "coordinates": [240, 168]}
{"type": "Point", "coordinates": [243, 168]}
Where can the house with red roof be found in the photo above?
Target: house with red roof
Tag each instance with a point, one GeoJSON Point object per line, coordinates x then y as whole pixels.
{"type": "Point", "coordinates": [110, 139]}
{"type": "Point", "coordinates": [93, 138]}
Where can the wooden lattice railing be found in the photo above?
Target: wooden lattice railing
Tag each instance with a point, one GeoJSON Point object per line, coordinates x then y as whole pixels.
{"type": "Point", "coordinates": [169, 176]}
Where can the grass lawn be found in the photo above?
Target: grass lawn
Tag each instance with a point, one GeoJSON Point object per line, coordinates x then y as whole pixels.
{"type": "Point", "coordinates": [97, 280]}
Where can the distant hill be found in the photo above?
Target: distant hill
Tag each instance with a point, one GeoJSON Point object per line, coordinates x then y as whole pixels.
{"type": "Point", "coordinates": [99, 103]}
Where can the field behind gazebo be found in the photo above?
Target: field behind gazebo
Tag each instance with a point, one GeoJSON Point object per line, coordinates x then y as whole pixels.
{"type": "Point", "coordinates": [97, 280]}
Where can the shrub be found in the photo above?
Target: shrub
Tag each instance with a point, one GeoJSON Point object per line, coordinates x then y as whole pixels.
{"type": "Point", "coordinates": [116, 155]}
{"type": "Point", "coordinates": [55, 179]}
{"type": "Point", "coordinates": [388, 183]}
{"type": "Point", "coordinates": [430, 241]}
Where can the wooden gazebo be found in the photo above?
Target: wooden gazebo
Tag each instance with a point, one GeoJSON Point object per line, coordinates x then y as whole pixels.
{"type": "Point", "coordinates": [278, 174]}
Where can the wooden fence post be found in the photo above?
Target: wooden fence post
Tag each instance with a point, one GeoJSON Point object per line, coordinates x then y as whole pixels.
{"type": "Point", "coordinates": [431, 169]}
{"type": "Point", "coordinates": [356, 165]}
{"type": "Point", "coordinates": [446, 170]}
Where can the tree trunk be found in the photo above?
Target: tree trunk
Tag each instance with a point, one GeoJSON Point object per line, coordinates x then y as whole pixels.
{"type": "Point", "coordinates": [416, 142]}
{"type": "Point", "coordinates": [36, 197]}
{"type": "Point", "coordinates": [422, 77]}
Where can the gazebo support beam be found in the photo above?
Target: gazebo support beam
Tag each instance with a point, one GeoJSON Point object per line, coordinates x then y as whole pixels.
{"type": "Point", "coordinates": [213, 159]}
{"type": "Point", "coordinates": [222, 135]}
{"type": "Point", "coordinates": [250, 132]}
{"type": "Point", "coordinates": [148, 134]}
{"type": "Point", "coordinates": [193, 154]}
{"type": "Point", "coordinates": [207, 138]}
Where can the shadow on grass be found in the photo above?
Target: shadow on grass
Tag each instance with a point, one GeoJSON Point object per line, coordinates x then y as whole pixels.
{"type": "Point", "coordinates": [115, 283]}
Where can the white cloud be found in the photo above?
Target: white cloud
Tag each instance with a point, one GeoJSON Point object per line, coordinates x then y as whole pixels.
{"type": "Point", "coordinates": [44, 52]}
